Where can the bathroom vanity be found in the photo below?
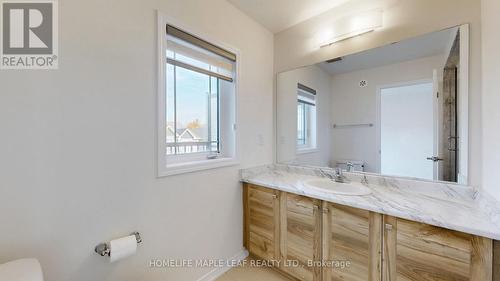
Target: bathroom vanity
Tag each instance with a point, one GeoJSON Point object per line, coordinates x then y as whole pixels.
{"type": "Point", "coordinates": [399, 110]}
{"type": "Point", "coordinates": [397, 232]}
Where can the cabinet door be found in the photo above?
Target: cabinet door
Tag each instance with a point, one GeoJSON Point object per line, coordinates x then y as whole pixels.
{"type": "Point", "coordinates": [421, 252]}
{"type": "Point", "coordinates": [300, 236]}
{"type": "Point", "coordinates": [261, 221]}
{"type": "Point", "coordinates": [352, 244]}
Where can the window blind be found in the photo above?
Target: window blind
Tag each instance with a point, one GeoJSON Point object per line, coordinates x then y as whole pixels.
{"type": "Point", "coordinates": [190, 52]}
{"type": "Point", "coordinates": [306, 95]}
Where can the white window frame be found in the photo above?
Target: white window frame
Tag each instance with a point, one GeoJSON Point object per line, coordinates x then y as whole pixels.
{"type": "Point", "coordinates": [165, 166]}
{"type": "Point", "coordinates": [306, 124]}
{"type": "Point", "coordinates": [311, 133]}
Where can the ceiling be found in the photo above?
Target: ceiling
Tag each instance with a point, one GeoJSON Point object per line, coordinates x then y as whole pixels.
{"type": "Point", "coordinates": [419, 47]}
{"type": "Point", "coordinates": [278, 15]}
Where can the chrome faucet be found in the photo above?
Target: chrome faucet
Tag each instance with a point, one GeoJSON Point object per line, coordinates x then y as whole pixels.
{"type": "Point", "coordinates": [364, 181]}
{"type": "Point", "coordinates": [337, 175]}
{"type": "Point", "coordinates": [350, 166]}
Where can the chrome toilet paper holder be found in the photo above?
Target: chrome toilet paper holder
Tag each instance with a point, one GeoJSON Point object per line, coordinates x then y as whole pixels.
{"type": "Point", "coordinates": [103, 248]}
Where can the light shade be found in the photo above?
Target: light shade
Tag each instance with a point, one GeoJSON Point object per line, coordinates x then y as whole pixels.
{"type": "Point", "coordinates": [355, 25]}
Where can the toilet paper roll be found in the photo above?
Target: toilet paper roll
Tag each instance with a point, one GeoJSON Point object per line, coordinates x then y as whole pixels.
{"type": "Point", "coordinates": [122, 248]}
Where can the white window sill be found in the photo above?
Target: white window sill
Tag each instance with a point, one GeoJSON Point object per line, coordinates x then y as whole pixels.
{"type": "Point", "coordinates": [190, 167]}
{"type": "Point", "coordinates": [307, 150]}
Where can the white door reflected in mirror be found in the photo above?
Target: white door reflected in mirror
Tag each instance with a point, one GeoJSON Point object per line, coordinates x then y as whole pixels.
{"type": "Point", "coordinates": [407, 130]}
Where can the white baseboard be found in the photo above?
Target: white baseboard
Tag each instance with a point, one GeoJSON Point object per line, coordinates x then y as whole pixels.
{"type": "Point", "coordinates": [217, 272]}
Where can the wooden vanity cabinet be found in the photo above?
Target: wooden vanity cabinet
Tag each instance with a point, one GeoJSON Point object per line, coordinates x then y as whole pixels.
{"type": "Point", "coordinates": [419, 252]}
{"type": "Point", "coordinates": [261, 227]}
{"type": "Point", "coordinates": [358, 245]}
{"type": "Point", "coordinates": [352, 244]}
{"type": "Point", "coordinates": [300, 236]}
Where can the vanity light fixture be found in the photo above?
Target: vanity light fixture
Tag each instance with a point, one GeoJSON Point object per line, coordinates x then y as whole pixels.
{"type": "Point", "coordinates": [355, 26]}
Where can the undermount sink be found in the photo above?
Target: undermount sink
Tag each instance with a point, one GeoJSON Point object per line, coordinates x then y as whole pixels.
{"type": "Point", "coordinates": [331, 186]}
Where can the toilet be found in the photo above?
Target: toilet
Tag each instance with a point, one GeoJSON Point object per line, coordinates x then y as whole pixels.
{"type": "Point", "coordinates": [21, 270]}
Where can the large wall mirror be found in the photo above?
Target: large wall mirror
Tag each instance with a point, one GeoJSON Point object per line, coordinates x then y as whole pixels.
{"type": "Point", "coordinates": [399, 110]}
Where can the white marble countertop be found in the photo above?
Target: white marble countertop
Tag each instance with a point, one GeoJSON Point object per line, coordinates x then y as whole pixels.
{"type": "Point", "coordinates": [449, 206]}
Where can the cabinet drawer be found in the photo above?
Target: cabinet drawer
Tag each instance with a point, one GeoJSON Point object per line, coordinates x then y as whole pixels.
{"type": "Point", "coordinates": [420, 252]}
{"type": "Point", "coordinates": [261, 222]}
{"type": "Point", "coordinates": [352, 236]}
{"type": "Point", "coordinates": [261, 246]}
{"type": "Point", "coordinates": [300, 236]}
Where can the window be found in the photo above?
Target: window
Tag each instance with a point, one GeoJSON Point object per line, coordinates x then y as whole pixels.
{"type": "Point", "coordinates": [192, 112]}
{"type": "Point", "coordinates": [306, 118]}
{"type": "Point", "coordinates": [197, 109]}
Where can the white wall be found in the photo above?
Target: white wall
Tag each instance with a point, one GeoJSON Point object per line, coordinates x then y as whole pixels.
{"type": "Point", "coordinates": [299, 45]}
{"type": "Point", "coordinates": [286, 115]}
{"type": "Point", "coordinates": [77, 163]}
{"type": "Point", "coordinates": [352, 104]}
{"type": "Point", "coordinates": [491, 95]}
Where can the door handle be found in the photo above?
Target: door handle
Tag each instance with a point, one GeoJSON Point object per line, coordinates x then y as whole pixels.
{"type": "Point", "coordinates": [435, 158]}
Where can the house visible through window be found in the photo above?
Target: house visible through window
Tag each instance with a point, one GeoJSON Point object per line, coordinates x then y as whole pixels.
{"type": "Point", "coordinates": [306, 117]}
{"type": "Point", "coordinates": [200, 99]}
{"type": "Point", "coordinates": [192, 111]}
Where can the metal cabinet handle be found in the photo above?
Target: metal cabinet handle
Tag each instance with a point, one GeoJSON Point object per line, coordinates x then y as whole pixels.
{"type": "Point", "coordinates": [388, 226]}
